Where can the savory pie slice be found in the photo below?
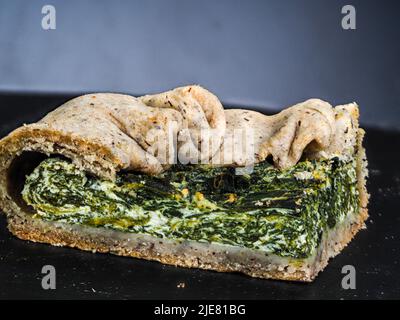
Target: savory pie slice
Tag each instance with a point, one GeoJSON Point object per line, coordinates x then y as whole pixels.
{"type": "Point", "coordinates": [84, 177]}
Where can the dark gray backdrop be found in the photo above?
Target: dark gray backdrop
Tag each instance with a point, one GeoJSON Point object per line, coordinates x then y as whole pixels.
{"type": "Point", "coordinates": [264, 54]}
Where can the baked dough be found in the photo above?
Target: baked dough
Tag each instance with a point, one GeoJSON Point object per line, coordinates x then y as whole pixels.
{"type": "Point", "coordinates": [105, 133]}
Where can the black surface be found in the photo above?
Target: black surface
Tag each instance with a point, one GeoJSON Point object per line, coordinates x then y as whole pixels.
{"type": "Point", "coordinates": [375, 252]}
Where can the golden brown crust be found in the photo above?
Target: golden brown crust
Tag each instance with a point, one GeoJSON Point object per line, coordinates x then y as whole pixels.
{"type": "Point", "coordinates": [22, 225]}
{"type": "Point", "coordinates": [312, 127]}
{"type": "Point", "coordinates": [106, 132]}
{"type": "Point", "coordinates": [282, 271]}
{"type": "Point", "coordinates": [202, 114]}
{"type": "Point", "coordinates": [41, 138]}
{"type": "Point", "coordinates": [97, 132]}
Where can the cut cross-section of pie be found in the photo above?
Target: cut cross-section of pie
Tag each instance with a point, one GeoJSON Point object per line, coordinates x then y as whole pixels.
{"type": "Point", "coordinates": [283, 216]}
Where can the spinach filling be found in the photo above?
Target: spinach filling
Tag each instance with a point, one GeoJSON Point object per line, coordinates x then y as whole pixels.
{"type": "Point", "coordinates": [280, 212]}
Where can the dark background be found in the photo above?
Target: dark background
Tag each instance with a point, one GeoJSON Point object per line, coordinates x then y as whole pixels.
{"type": "Point", "coordinates": [258, 54]}
{"type": "Point", "coordinates": [263, 54]}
